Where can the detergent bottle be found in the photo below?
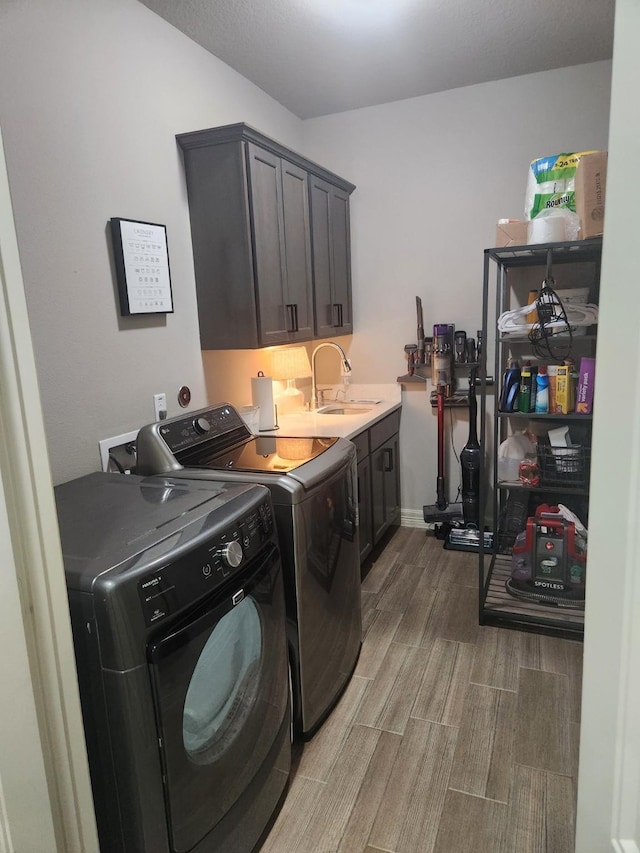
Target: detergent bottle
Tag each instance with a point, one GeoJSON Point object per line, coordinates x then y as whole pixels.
{"type": "Point", "coordinates": [510, 388]}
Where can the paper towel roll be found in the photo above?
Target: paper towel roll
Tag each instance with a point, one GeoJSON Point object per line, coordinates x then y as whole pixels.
{"type": "Point", "coordinates": [547, 229]}
{"type": "Point", "coordinates": [262, 395]}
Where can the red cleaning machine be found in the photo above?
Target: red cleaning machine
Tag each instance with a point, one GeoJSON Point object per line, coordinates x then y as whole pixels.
{"type": "Point", "coordinates": [548, 563]}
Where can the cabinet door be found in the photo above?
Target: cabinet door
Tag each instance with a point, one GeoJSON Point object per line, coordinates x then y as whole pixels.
{"type": "Point", "coordinates": [297, 247]}
{"type": "Point", "coordinates": [385, 487]}
{"type": "Point", "coordinates": [222, 246]}
{"type": "Point", "coordinates": [341, 250]}
{"type": "Point", "coordinates": [365, 525]}
{"type": "Point", "coordinates": [331, 259]}
{"type": "Point", "coordinates": [267, 217]}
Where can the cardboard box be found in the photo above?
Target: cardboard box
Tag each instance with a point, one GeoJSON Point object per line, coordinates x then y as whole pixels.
{"type": "Point", "coordinates": [511, 232]}
{"type": "Point", "coordinates": [586, 381]}
{"type": "Point", "coordinates": [565, 390]}
{"type": "Point", "coordinates": [590, 188]}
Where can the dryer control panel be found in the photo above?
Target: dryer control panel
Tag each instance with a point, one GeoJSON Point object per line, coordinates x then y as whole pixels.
{"type": "Point", "coordinates": [187, 579]}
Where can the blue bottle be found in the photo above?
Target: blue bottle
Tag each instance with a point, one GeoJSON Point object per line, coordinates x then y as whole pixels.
{"type": "Point", "coordinates": [510, 388]}
{"type": "Point", "coordinates": [542, 390]}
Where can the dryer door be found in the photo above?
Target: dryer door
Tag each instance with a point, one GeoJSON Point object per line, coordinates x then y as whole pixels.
{"type": "Point", "coordinates": [220, 683]}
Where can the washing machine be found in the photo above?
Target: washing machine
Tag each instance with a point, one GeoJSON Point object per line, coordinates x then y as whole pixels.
{"type": "Point", "coordinates": [178, 616]}
{"type": "Point", "coordinates": [313, 483]}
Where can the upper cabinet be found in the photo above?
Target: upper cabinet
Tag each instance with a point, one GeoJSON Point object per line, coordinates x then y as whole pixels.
{"type": "Point", "coordinates": [331, 246]}
{"type": "Point", "coordinates": [279, 218]}
{"type": "Point", "coordinates": [252, 203]}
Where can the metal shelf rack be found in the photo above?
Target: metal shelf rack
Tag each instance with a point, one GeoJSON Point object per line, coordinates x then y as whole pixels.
{"type": "Point", "coordinates": [516, 268]}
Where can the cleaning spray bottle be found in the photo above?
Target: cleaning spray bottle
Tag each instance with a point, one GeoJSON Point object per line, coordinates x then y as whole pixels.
{"type": "Point", "coordinates": [542, 390]}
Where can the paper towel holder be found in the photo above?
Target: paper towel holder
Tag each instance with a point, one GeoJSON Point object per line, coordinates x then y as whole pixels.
{"type": "Point", "coordinates": [263, 397]}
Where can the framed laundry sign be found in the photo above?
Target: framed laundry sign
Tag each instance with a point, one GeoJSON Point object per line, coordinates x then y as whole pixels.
{"type": "Point", "coordinates": [142, 266]}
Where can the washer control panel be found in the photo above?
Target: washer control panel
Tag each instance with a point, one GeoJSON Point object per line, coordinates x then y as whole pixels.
{"type": "Point", "coordinates": [219, 423]}
{"type": "Point", "coordinates": [187, 579]}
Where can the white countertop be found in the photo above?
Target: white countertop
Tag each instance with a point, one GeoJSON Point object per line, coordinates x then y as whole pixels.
{"type": "Point", "coordinates": [344, 426]}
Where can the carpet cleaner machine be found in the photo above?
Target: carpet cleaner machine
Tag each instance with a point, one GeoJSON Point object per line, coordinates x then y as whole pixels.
{"type": "Point", "coordinates": [549, 557]}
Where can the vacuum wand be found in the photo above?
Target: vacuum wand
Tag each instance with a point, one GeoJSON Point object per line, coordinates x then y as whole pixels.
{"type": "Point", "coordinates": [420, 354]}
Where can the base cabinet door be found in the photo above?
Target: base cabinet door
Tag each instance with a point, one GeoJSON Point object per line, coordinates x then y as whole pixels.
{"type": "Point", "coordinates": [365, 518]}
{"type": "Point", "coordinates": [385, 483]}
{"type": "Point", "coordinates": [377, 450]}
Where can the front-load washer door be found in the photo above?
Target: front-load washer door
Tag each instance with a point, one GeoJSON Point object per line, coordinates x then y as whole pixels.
{"type": "Point", "coordinates": [220, 685]}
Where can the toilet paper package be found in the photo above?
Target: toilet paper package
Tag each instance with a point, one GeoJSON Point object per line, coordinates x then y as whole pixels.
{"type": "Point", "coordinates": [565, 196]}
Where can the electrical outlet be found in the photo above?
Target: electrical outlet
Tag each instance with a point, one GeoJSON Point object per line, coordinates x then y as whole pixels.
{"type": "Point", "coordinates": [122, 442]}
{"type": "Point", "coordinates": [160, 406]}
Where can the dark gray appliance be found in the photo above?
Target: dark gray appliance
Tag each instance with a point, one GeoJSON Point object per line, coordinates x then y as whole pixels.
{"type": "Point", "coordinates": [178, 616]}
{"type": "Point", "coordinates": [313, 488]}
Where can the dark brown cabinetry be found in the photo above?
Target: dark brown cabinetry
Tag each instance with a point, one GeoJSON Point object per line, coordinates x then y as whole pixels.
{"type": "Point", "coordinates": [249, 204]}
{"type": "Point", "coordinates": [365, 518]}
{"type": "Point", "coordinates": [378, 481]}
{"type": "Point", "coordinates": [331, 246]}
{"type": "Point", "coordinates": [279, 214]}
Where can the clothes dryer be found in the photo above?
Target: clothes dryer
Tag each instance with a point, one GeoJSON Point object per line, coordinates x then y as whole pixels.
{"type": "Point", "coordinates": [178, 616]}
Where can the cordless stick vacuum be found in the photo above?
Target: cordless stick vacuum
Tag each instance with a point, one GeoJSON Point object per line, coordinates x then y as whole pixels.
{"type": "Point", "coordinates": [470, 462]}
{"type": "Point", "coordinates": [442, 375]}
{"type": "Point", "coordinates": [466, 536]}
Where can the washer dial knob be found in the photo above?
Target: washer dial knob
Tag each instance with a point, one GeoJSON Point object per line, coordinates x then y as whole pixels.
{"type": "Point", "coordinates": [201, 426]}
{"type": "Point", "coordinates": [231, 554]}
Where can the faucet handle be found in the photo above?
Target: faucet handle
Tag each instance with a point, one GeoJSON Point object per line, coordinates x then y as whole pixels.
{"type": "Point", "coordinates": [320, 393]}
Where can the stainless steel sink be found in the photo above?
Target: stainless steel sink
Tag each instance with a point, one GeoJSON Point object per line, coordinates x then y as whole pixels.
{"type": "Point", "coordinates": [343, 409]}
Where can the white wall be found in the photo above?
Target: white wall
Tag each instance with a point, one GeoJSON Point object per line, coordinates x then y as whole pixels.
{"type": "Point", "coordinates": [89, 134]}
{"type": "Point", "coordinates": [92, 94]}
{"type": "Point", "coordinates": [433, 174]}
{"type": "Point", "coordinates": [609, 780]}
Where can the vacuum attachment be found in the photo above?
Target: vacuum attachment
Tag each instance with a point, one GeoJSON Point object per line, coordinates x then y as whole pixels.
{"type": "Point", "coordinates": [433, 514]}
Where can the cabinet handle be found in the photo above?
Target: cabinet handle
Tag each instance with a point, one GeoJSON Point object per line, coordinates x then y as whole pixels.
{"type": "Point", "coordinates": [388, 464]}
{"type": "Point", "coordinates": [337, 313]}
{"type": "Point", "coordinates": [292, 310]}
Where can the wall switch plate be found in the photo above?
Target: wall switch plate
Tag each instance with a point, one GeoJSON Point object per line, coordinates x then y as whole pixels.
{"type": "Point", "coordinates": [160, 406]}
{"type": "Point", "coordinates": [119, 441]}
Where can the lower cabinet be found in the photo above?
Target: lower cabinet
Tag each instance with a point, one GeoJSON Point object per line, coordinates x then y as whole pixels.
{"type": "Point", "coordinates": [365, 515]}
{"type": "Point", "coordinates": [385, 487]}
{"type": "Point", "coordinates": [378, 481]}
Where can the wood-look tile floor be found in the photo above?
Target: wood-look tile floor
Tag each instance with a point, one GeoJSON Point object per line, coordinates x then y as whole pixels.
{"type": "Point", "coordinates": [450, 737]}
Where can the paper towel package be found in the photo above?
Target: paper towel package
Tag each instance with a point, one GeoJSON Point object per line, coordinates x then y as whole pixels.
{"type": "Point", "coordinates": [570, 186]}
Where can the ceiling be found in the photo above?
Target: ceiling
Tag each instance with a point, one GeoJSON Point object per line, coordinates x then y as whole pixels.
{"type": "Point", "coordinates": [318, 57]}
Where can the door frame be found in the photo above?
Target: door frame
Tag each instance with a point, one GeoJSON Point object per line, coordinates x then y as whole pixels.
{"type": "Point", "coordinates": [45, 790]}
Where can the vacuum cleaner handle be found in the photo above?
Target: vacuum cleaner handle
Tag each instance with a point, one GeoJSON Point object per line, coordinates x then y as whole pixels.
{"type": "Point", "coordinates": [441, 500]}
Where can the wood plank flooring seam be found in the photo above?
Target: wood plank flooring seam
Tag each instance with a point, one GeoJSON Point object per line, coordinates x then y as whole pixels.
{"type": "Point", "coordinates": [477, 796]}
{"type": "Point", "coordinates": [492, 687]}
{"type": "Point", "coordinates": [542, 770]}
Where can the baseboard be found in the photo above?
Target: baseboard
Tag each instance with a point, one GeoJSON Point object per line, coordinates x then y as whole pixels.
{"type": "Point", "coordinates": [413, 518]}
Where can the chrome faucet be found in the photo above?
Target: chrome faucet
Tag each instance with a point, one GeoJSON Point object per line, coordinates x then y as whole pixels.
{"type": "Point", "coordinates": [345, 369]}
